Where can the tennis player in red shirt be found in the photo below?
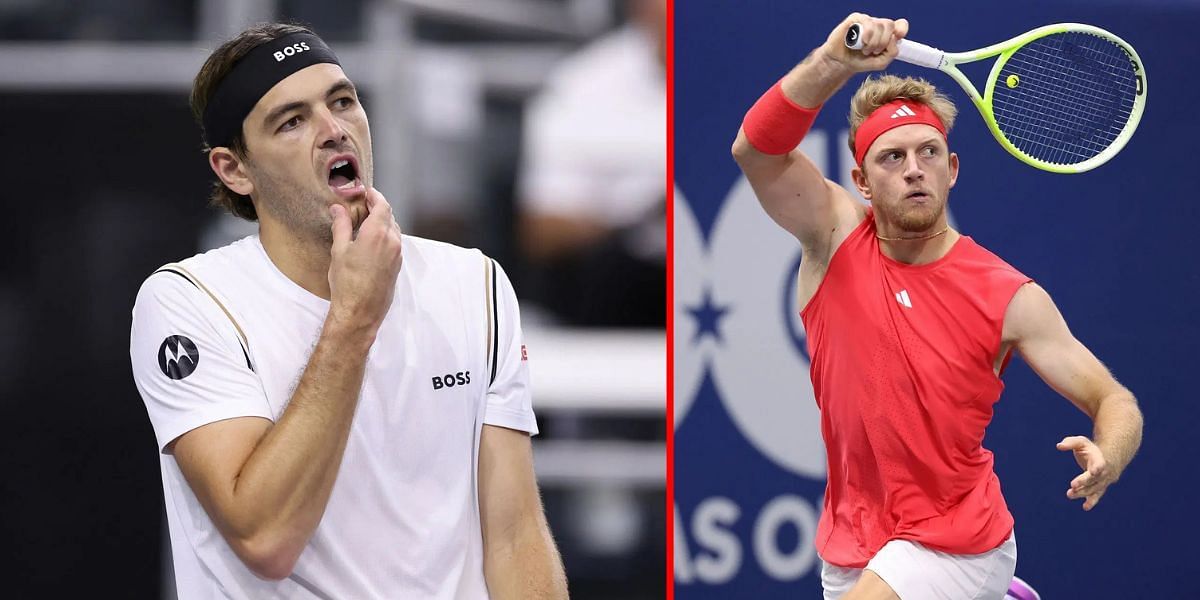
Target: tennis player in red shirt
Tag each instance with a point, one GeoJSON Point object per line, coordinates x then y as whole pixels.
{"type": "Point", "coordinates": [910, 325]}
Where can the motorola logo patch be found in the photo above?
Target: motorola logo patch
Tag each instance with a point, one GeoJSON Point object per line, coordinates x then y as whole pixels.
{"type": "Point", "coordinates": [178, 357]}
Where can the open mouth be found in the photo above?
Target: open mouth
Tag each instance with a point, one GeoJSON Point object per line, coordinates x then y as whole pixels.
{"type": "Point", "coordinates": [343, 175]}
{"type": "Point", "coordinates": [917, 196]}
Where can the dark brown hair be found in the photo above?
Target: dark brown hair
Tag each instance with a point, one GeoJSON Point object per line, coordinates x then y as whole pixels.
{"type": "Point", "coordinates": [218, 65]}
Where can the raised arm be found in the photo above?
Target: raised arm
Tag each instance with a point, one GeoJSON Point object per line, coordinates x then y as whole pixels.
{"type": "Point", "coordinates": [266, 486]}
{"type": "Point", "coordinates": [1037, 330]}
{"type": "Point", "coordinates": [795, 194]}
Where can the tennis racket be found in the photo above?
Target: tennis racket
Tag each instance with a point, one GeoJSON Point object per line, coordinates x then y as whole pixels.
{"type": "Point", "coordinates": [1063, 98]}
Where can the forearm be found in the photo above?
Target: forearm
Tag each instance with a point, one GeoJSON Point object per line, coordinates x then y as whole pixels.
{"type": "Point", "coordinates": [816, 79]}
{"type": "Point", "coordinates": [526, 565]}
{"type": "Point", "coordinates": [775, 125]}
{"type": "Point", "coordinates": [809, 84]}
{"type": "Point", "coordinates": [281, 492]}
{"type": "Point", "coordinates": [789, 186]}
{"type": "Point", "coordinates": [1117, 429]}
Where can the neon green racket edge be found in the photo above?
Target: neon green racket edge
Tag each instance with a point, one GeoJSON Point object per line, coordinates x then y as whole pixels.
{"type": "Point", "coordinates": [1064, 98]}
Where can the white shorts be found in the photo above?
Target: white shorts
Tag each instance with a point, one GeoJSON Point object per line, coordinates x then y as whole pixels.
{"type": "Point", "coordinates": [915, 572]}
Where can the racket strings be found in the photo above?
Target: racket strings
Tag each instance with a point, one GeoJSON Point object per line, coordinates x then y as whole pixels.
{"type": "Point", "coordinates": [1092, 104]}
{"type": "Point", "coordinates": [1089, 138]}
{"type": "Point", "coordinates": [1071, 99]}
{"type": "Point", "coordinates": [1062, 126]}
{"type": "Point", "coordinates": [1074, 119]}
{"type": "Point", "coordinates": [1073, 128]}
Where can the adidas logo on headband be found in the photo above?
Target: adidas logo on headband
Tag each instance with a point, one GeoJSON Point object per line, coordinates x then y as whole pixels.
{"type": "Point", "coordinates": [292, 50]}
{"type": "Point", "coordinates": [901, 113]}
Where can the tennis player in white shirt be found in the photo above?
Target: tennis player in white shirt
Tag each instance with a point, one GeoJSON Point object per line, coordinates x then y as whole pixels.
{"type": "Point", "coordinates": [342, 411]}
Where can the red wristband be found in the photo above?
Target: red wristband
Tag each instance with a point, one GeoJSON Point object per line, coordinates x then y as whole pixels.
{"type": "Point", "coordinates": [775, 124]}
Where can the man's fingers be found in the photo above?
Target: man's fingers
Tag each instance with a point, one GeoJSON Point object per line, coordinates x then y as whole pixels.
{"type": "Point", "coordinates": [867, 33]}
{"type": "Point", "coordinates": [1074, 442]}
{"type": "Point", "coordinates": [1092, 483]}
{"type": "Point", "coordinates": [1084, 492]}
{"type": "Point", "coordinates": [341, 227]}
{"type": "Point", "coordinates": [1087, 485]}
{"type": "Point", "coordinates": [378, 208]}
{"type": "Point", "coordinates": [1092, 500]}
{"type": "Point", "coordinates": [1082, 480]}
{"type": "Point", "coordinates": [377, 205]}
{"type": "Point", "coordinates": [885, 37]}
{"type": "Point", "coordinates": [876, 42]}
{"type": "Point", "coordinates": [892, 50]}
{"type": "Point", "coordinates": [372, 196]}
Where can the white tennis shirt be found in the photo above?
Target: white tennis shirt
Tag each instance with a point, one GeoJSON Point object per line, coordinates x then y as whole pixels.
{"type": "Point", "coordinates": [403, 518]}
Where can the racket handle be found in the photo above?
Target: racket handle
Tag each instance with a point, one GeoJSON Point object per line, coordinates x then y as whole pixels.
{"type": "Point", "coordinates": [911, 52]}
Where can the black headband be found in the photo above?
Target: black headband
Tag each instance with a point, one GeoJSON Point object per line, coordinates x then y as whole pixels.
{"type": "Point", "coordinates": [253, 76]}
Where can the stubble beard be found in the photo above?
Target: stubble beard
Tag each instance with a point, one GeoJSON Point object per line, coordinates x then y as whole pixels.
{"type": "Point", "coordinates": [303, 212]}
{"type": "Point", "coordinates": [915, 219]}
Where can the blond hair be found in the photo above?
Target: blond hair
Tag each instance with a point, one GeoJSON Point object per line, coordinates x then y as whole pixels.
{"type": "Point", "coordinates": [877, 91]}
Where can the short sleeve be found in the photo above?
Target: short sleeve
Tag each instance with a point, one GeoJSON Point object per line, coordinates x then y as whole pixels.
{"type": "Point", "coordinates": [509, 398]}
{"type": "Point", "coordinates": [187, 363]}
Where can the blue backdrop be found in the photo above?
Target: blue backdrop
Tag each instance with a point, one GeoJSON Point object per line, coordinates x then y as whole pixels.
{"type": "Point", "coordinates": [1114, 247]}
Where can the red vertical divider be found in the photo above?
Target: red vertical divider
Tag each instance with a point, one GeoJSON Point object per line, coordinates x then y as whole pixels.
{"type": "Point", "coordinates": [670, 416]}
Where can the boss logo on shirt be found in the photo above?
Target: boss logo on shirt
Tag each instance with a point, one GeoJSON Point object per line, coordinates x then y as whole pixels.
{"type": "Point", "coordinates": [178, 357]}
{"type": "Point", "coordinates": [450, 380]}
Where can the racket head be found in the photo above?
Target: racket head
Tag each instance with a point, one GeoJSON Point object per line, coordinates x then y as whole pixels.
{"type": "Point", "coordinates": [1065, 98]}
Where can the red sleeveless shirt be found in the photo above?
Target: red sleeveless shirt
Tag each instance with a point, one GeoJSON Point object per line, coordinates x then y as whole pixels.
{"type": "Point", "coordinates": [902, 367]}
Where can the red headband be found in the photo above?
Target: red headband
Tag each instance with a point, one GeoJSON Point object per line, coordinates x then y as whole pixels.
{"type": "Point", "coordinates": [893, 114]}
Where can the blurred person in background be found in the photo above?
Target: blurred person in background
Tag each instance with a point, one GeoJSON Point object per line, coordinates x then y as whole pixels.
{"type": "Point", "coordinates": [591, 190]}
{"type": "Point", "coordinates": [341, 411]}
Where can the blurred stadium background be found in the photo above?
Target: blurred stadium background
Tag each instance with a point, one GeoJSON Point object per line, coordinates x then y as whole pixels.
{"type": "Point", "coordinates": [109, 183]}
